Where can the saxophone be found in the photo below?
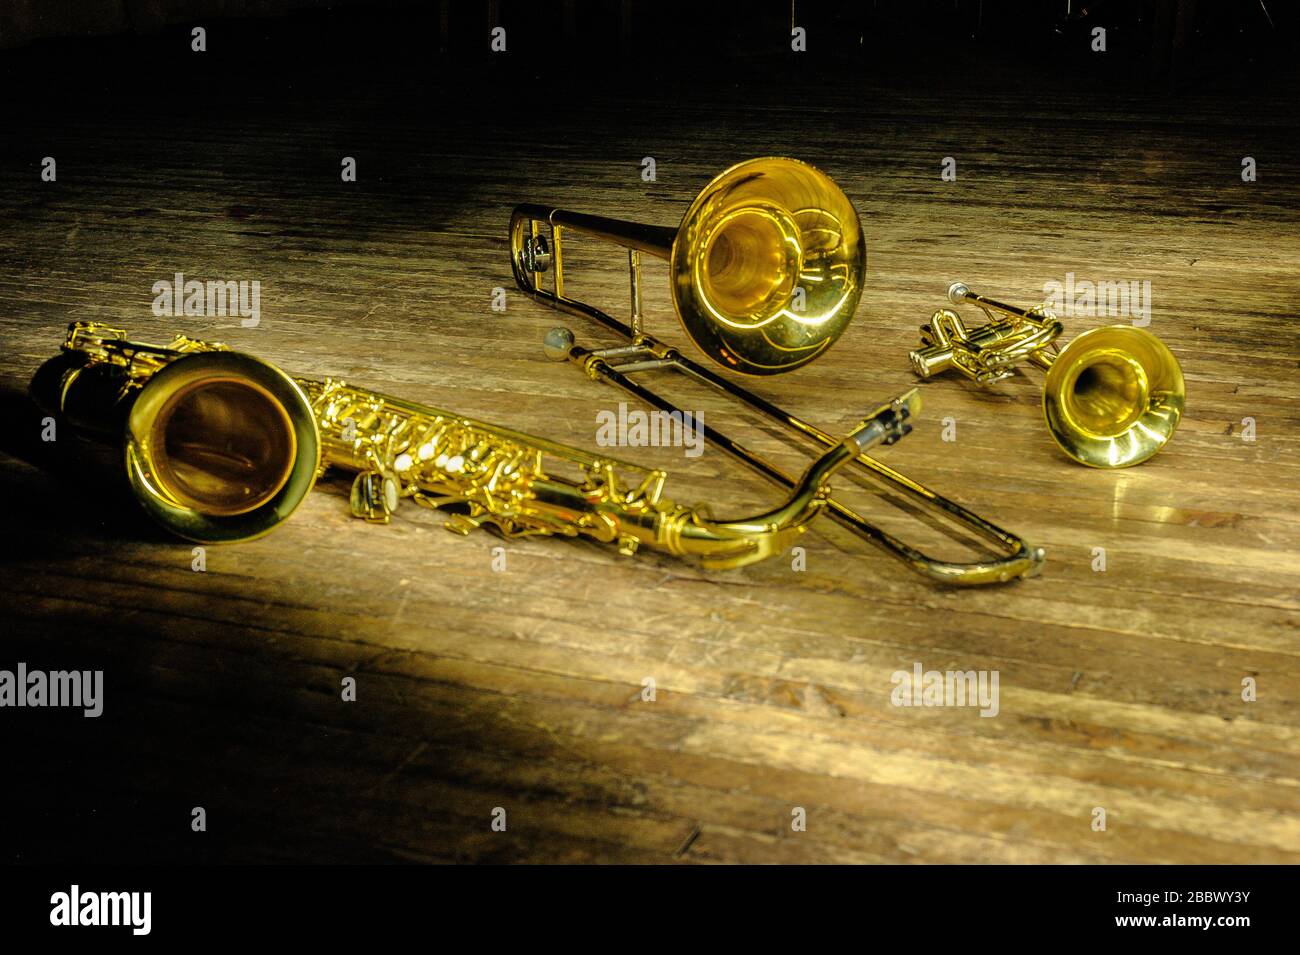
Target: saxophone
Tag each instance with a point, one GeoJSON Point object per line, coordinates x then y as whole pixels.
{"type": "Point", "coordinates": [222, 446]}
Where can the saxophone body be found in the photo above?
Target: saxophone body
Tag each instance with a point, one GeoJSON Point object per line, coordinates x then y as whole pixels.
{"type": "Point", "coordinates": [221, 446]}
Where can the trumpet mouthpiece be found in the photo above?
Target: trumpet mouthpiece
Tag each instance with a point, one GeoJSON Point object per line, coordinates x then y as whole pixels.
{"type": "Point", "coordinates": [957, 292]}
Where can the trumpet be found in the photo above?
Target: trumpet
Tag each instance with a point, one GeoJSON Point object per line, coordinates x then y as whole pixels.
{"type": "Point", "coordinates": [221, 446]}
{"type": "Point", "coordinates": [1112, 398]}
{"type": "Point", "coordinates": [766, 270]}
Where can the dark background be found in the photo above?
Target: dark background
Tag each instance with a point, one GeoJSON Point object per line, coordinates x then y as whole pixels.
{"type": "Point", "coordinates": [1157, 44]}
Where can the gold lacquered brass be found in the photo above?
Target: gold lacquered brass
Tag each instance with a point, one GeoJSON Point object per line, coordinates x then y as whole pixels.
{"type": "Point", "coordinates": [766, 270]}
{"type": "Point", "coordinates": [218, 446]}
{"type": "Point", "coordinates": [221, 446]}
{"type": "Point", "coordinates": [767, 264]}
{"type": "Point", "coordinates": [1112, 397]}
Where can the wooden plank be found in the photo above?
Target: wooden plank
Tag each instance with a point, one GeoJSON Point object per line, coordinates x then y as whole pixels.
{"type": "Point", "coordinates": [1119, 689]}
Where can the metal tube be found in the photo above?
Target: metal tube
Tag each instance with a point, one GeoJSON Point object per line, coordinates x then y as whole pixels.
{"type": "Point", "coordinates": [650, 239]}
{"type": "Point", "coordinates": [1019, 560]}
{"type": "Point", "coordinates": [634, 276]}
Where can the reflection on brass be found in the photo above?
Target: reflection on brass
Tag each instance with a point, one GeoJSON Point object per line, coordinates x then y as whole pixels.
{"type": "Point", "coordinates": [1112, 397]}
{"type": "Point", "coordinates": [767, 264]}
{"type": "Point", "coordinates": [766, 269]}
{"type": "Point", "coordinates": [221, 446]}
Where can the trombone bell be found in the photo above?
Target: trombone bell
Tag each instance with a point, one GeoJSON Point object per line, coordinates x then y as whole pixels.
{"type": "Point", "coordinates": [767, 266]}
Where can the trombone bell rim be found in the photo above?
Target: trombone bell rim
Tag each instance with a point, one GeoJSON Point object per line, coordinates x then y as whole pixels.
{"type": "Point", "coordinates": [768, 226]}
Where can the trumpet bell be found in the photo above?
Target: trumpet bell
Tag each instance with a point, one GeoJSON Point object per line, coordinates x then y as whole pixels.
{"type": "Point", "coordinates": [767, 266]}
{"type": "Point", "coordinates": [221, 446]}
{"type": "Point", "coordinates": [1113, 397]}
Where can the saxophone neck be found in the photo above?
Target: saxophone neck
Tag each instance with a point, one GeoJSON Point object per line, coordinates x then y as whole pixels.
{"type": "Point", "coordinates": [98, 372]}
{"type": "Point", "coordinates": [725, 544]}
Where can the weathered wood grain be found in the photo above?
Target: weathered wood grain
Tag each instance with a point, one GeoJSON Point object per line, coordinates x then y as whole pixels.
{"type": "Point", "coordinates": [521, 689]}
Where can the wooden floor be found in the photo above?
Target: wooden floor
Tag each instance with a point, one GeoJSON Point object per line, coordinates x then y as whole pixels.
{"type": "Point", "coordinates": [521, 688]}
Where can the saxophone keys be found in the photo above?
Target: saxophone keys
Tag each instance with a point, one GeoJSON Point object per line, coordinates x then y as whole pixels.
{"type": "Point", "coordinates": [462, 524]}
{"type": "Point", "coordinates": [374, 496]}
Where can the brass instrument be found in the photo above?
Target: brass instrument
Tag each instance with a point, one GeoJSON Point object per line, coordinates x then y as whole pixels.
{"type": "Point", "coordinates": [766, 268]}
{"type": "Point", "coordinates": [221, 446]}
{"type": "Point", "coordinates": [1112, 398]}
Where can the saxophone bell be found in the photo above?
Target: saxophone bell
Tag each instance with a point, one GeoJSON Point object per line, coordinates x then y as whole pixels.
{"type": "Point", "coordinates": [221, 446]}
{"type": "Point", "coordinates": [218, 446]}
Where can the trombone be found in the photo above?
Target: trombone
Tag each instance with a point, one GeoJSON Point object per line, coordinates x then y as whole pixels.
{"type": "Point", "coordinates": [1112, 398]}
{"type": "Point", "coordinates": [766, 268]}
